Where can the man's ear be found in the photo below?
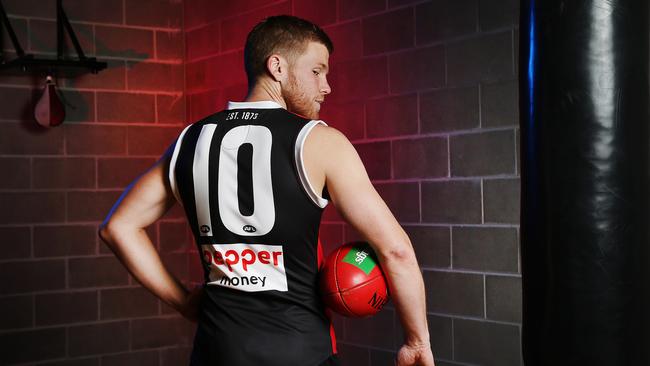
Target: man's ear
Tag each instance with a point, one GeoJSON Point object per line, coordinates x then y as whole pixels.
{"type": "Point", "coordinates": [277, 67]}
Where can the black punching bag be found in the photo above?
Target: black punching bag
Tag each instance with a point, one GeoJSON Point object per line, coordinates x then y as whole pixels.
{"type": "Point", "coordinates": [585, 182]}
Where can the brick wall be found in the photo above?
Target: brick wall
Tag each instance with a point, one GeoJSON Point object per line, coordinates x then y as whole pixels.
{"type": "Point", "coordinates": [427, 92]}
{"type": "Point", "coordinates": [64, 297]}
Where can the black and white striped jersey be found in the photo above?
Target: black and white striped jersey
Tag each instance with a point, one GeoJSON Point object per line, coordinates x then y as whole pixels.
{"type": "Point", "coordinates": [240, 178]}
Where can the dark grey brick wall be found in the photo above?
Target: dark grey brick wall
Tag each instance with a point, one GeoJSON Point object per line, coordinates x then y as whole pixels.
{"type": "Point", "coordinates": [425, 89]}
{"type": "Point", "coordinates": [450, 114]}
{"type": "Point", "coordinates": [64, 297]}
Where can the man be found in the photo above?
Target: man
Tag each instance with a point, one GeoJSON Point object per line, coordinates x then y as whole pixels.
{"type": "Point", "coordinates": [253, 181]}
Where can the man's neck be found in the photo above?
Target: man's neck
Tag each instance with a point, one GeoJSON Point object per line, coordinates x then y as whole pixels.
{"type": "Point", "coordinates": [265, 91]}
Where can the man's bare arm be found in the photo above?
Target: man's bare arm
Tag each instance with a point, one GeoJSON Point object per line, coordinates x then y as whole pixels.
{"type": "Point", "coordinates": [360, 205]}
{"type": "Point", "coordinates": [140, 205]}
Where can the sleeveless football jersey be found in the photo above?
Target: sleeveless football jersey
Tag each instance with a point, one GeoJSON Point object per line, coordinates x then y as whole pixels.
{"type": "Point", "coordinates": [240, 178]}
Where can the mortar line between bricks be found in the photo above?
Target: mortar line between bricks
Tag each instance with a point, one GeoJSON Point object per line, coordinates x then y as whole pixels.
{"type": "Point", "coordinates": [31, 172]}
{"type": "Point", "coordinates": [33, 306]}
{"type": "Point", "coordinates": [67, 342]}
{"type": "Point", "coordinates": [512, 47]}
{"type": "Point", "coordinates": [437, 224]}
{"type": "Point", "coordinates": [124, 12]}
{"type": "Point", "coordinates": [97, 90]}
{"type": "Point", "coordinates": [386, 10]}
{"type": "Point", "coordinates": [66, 217]}
{"type": "Point", "coordinates": [477, 15]}
{"type": "Point", "coordinates": [92, 322]}
{"type": "Point", "coordinates": [100, 356]}
{"type": "Point", "coordinates": [482, 204]}
{"type": "Point", "coordinates": [453, 341]}
{"type": "Point", "coordinates": [66, 358]}
{"type": "Point", "coordinates": [170, 316]}
{"type": "Point", "coordinates": [461, 38]}
{"type": "Point", "coordinates": [125, 76]}
{"type": "Point", "coordinates": [442, 43]}
{"type": "Point", "coordinates": [266, 5]}
{"type": "Point", "coordinates": [446, 179]}
{"type": "Point", "coordinates": [365, 121]}
{"type": "Point", "coordinates": [104, 124]}
{"type": "Point", "coordinates": [66, 273]}
{"type": "Point", "coordinates": [59, 258]}
{"type": "Point", "coordinates": [517, 147]}
{"type": "Point", "coordinates": [32, 252]}
{"type": "Point", "coordinates": [448, 143]}
{"type": "Point", "coordinates": [485, 297]}
{"type": "Point", "coordinates": [62, 190]}
{"type": "Point", "coordinates": [470, 271]}
{"type": "Point", "coordinates": [451, 248]}
{"type": "Point", "coordinates": [81, 223]}
{"type": "Point", "coordinates": [29, 34]}
{"type": "Point", "coordinates": [64, 139]}
{"type": "Point", "coordinates": [148, 60]}
{"type": "Point", "coordinates": [390, 154]}
{"type": "Point", "coordinates": [465, 317]}
{"type": "Point", "coordinates": [130, 331]}
{"type": "Point", "coordinates": [94, 92]}
{"type": "Point", "coordinates": [480, 109]}
{"type": "Point", "coordinates": [415, 22]}
{"type": "Point", "coordinates": [99, 304]}
{"type": "Point", "coordinates": [112, 124]}
{"type": "Point", "coordinates": [404, 93]}
{"type": "Point", "coordinates": [518, 250]}
{"type": "Point", "coordinates": [472, 131]}
{"type": "Point", "coordinates": [101, 24]}
{"type": "Point", "coordinates": [337, 12]}
{"type": "Point", "coordinates": [94, 39]}
{"type": "Point", "coordinates": [214, 55]}
{"type": "Point", "coordinates": [156, 118]}
{"type": "Point", "coordinates": [418, 95]}
{"type": "Point", "coordinates": [75, 256]}
{"type": "Point", "coordinates": [445, 55]}
{"type": "Point", "coordinates": [389, 89]}
{"type": "Point", "coordinates": [420, 201]}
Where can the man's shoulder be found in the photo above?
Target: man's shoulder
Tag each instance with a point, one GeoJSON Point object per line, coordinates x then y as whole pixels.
{"type": "Point", "coordinates": [329, 134]}
{"type": "Point", "coordinates": [327, 140]}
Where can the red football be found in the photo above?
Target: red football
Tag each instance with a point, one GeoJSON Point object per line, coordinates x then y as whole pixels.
{"type": "Point", "coordinates": [352, 282]}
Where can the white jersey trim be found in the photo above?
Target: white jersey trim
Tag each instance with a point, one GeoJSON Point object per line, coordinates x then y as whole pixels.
{"type": "Point", "coordinates": [300, 141]}
{"type": "Point", "coordinates": [263, 104]}
{"type": "Point", "coordinates": [172, 165]}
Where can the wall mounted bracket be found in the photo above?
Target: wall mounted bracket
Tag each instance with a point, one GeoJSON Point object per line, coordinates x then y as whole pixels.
{"type": "Point", "coordinates": [61, 66]}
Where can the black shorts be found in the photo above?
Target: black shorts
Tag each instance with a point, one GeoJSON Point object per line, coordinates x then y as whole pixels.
{"type": "Point", "coordinates": [196, 360]}
{"type": "Point", "coordinates": [200, 356]}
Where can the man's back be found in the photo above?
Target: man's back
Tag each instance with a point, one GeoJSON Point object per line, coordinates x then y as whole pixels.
{"type": "Point", "coordinates": [240, 177]}
{"type": "Point", "coordinates": [255, 215]}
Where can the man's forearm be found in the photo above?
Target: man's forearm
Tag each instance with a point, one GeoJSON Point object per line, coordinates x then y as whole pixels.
{"type": "Point", "coordinates": [136, 252]}
{"type": "Point", "coordinates": [407, 293]}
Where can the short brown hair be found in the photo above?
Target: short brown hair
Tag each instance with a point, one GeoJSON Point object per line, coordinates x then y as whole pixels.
{"type": "Point", "coordinates": [283, 34]}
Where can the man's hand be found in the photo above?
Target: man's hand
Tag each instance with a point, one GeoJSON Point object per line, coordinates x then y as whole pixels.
{"type": "Point", "coordinates": [190, 308]}
{"type": "Point", "coordinates": [412, 355]}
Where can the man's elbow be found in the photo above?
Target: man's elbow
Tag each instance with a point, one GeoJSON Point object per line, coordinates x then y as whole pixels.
{"type": "Point", "coordinates": [103, 232]}
{"type": "Point", "coordinates": [402, 253]}
{"type": "Point", "coordinates": [106, 232]}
